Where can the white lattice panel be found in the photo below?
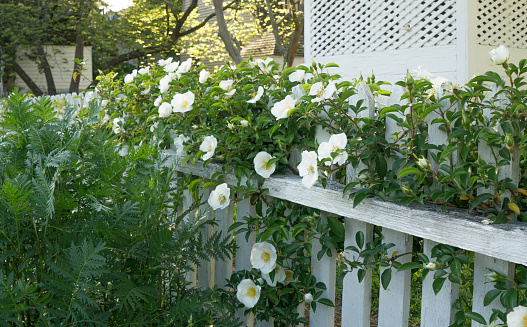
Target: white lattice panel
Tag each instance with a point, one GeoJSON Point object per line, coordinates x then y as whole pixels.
{"type": "Point", "coordinates": [502, 22]}
{"type": "Point", "coordinates": [361, 26]}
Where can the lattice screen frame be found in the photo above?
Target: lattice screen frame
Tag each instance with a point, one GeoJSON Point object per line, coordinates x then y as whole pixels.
{"type": "Point", "coordinates": [343, 27]}
{"type": "Point", "coordinates": [502, 22]}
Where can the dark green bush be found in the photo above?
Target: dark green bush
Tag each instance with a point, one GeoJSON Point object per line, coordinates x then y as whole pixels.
{"type": "Point", "coordinates": [91, 238]}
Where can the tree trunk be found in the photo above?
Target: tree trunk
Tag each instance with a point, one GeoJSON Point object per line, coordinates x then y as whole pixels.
{"type": "Point", "coordinates": [25, 77]}
{"type": "Point", "coordinates": [225, 35]}
{"type": "Point", "coordinates": [77, 66]}
{"type": "Point", "coordinates": [42, 57]}
{"type": "Point", "coordinates": [293, 46]}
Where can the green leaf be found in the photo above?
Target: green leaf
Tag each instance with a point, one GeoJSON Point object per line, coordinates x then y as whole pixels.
{"type": "Point", "coordinates": [478, 199]}
{"type": "Point", "coordinates": [409, 170]}
{"type": "Point", "coordinates": [410, 265]}
{"type": "Point", "coordinates": [336, 226]}
{"type": "Point", "coordinates": [192, 186]}
{"type": "Point", "coordinates": [386, 277]}
{"type": "Point", "coordinates": [437, 285]}
{"type": "Point", "coordinates": [359, 239]}
{"type": "Point", "coordinates": [490, 296]}
{"type": "Point", "coordinates": [360, 195]}
{"type": "Point", "coordinates": [327, 302]}
{"type": "Point", "coordinates": [476, 317]}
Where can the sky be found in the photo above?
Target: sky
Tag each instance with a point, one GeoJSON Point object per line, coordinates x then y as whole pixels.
{"type": "Point", "coordinates": [116, 5]}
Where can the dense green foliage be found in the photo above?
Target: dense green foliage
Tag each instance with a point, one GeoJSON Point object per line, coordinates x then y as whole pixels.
{"type": "Point", "coordinates": [91, 238]}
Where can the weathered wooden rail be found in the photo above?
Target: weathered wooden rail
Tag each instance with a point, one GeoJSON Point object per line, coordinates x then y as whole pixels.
{"type": "Point", "coordinates": [498, 247]}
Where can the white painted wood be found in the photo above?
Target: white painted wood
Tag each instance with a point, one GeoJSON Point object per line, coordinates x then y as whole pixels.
{"type": "Point", "coordinates": [192, 275]}
{"type": "Point", "coordinates": [205, 267]}
{"type": "Point", "coordinates": [243, 252]}
{"type": "Point", "coordinates": [356, 297]}
{"type": "Point", "coordinates": [324, 271]}
{"type": "Point", "coordinates": [364, 93]}
{"type": "Point", "coordinates": [482, 284]}
{"type": "Point", "coordinates": [394, 302]}
{"type": "Point", "coordinates": [308, 35]}
{"type": "Point", "coordinates": [462, 41]}
{"type": "Point", "coordinates": [428, 222]}
{"type": "Point", "coordinates": [436, 310]}
{"type": "Point", "coordinates": [223, 268]}
{"type": "Point", "coordinates": [391, 125]}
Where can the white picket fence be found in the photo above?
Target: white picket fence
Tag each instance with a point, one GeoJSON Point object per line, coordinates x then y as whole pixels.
{"type": "Point", "coordinates": [498, 247]}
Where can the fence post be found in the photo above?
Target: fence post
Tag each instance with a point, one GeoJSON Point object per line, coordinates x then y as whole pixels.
{"type": "Point", "coordinates": [436, 310]}
{"type": "Point", "coordinates": [394, 302]}
{"type": "Point", "coordinates": [356, 296]}
{"type": "Point", "coordinates": [223, 269]}
{"type": "Point", "coordinates": [482, 263]}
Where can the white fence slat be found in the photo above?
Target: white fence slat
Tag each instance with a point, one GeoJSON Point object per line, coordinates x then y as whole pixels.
{"type": "Point", "coordinates": [482, 284]}
{"type": "Point", "coordinates": [364, 93]}
{"type": "Point", "coordinates": [394, 302]}
{"type": "Point", "coordinates": [483, 263]}
{"type": "Point", "coordinates": [243, 252]}
{"type": "Point", "coordinates": [356, 297]}
{"type": "Point", "coordinates": [223, 268]}
{"type": "Point", "coordinates": [206, 267]}
{"type": "Point", "coordinates": [436, 310]}
{"type": "Point", "coordinates": [391, 125]}
{"type": "Point", "coordinates": [324, 271]}
{"type": "Point", "coordinates": [191, 276]}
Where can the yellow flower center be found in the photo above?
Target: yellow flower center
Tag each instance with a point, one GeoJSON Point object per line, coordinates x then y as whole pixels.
{"type": "Point", "coordinates": [222, 199]}
{"type": "Point", "coordinates": [251, 292]}
{"type": "Point", "coordinates": [184, 104]}
{"type": "Point", "coordinates": [311, 170]}
{"type": "Point", "coordinates": [264, 165]}
{"type": "Point", "coordinates": [288, 274]}
{"type": "Point", "coordinates": [266, 256]}
{"type": "Point", "coordinates": [210, 148]}
{"type": "Point", "coordinates": [320, 92]}
{"type": "Point", "coordinates": [525, 321]}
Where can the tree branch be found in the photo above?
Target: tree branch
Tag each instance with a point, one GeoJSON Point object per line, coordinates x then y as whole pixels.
{"type": "Point", "coordinates": [225, 35]}
{"type": "Point", "coordinates": [25, 77]}
{"type": "Point", "coordinates": [278, 39]}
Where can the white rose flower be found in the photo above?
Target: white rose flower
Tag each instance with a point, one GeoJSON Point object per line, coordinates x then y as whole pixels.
{"type": "Point", "coordinates": [180, 144]}
{"type": "Point", "coordinates": [154, 126]}
{"type": "Point", "coordinates": [165, 109]}
{"type": "Point", "coordinates": [183, 102]}
{"type": "Point", "coordinates": [203, 76]}
{"type": "Point", "coordinates": [185, 66]}
{"type": "Point", "coordinates": [288, 276]}
{"type": "Point", "coordinates": [500, 55]}
{"type": "Point", "coordinates": [336, 142]}
{"type": "Point", "coordinates": [230, 125]}
{"type": "Point", "coordinates": [263, 257]}
{"type": "Point", "coordinates": [163, 62]}
{"type": "Point", "coordinates": [158, 101]}
{"type": "Point", "coordinates": [118, 124]}
{"type": "Point", "coordinates": [432, 266]}
{"type": "Point", "coordinates": [226, 84]}
{"type": "Point", "coordinates": [279, 276]}
{"type": "Point", "coordinates": [248, 293]}
{"type": "Point", "coordinates": [308, 168]}
{"type": "Point", "coordinates": [320, 92]}
{"type": "Point", "coordinates": [171, 67]}
{"type": "Point", "coordinates": [260, 164]}
{"type": "Point", "coordinates": [144, 70]}
{"type": "Point", "coordinates": [220, 197]}
{"type": "Point", "coordinates": [308, 297]}
{"type": "Point", "coordinates": [423, 163]}
{"type": "Point", "coordinates": [208, 146]}
{"type": "Point", "coordinates": [264, 64]}
{"type": "Point", "coordinates": [124, 150]}
{"type": "Point", "coordinates": [128, 78]}
{"type": "Point", "coordinates": [257, 95]}
{"type": "Point", "coordinates": [164, 83]}
{"type": "Point", "coordinates": [297, 76]}
{"type": "Point", "coordinates": [517, 317]}
{"type": "Point", "coordinates": [297, 92]}
{"type": "Point", "coordinates": [244, 123]}
{"type": "Point", "coordinates": [280, 109]}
